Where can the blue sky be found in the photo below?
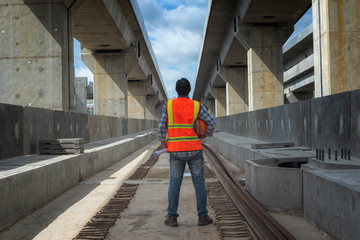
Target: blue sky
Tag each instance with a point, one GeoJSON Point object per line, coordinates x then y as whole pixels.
{"type": "Point", "coordinates": [175, 29]}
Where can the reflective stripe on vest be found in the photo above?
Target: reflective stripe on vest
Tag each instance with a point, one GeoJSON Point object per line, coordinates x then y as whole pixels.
{"type": "Point", "coordinates": [181, 136]}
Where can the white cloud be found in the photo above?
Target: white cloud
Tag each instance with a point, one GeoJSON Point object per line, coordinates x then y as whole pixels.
{"type": "Point", "coordinates": [175, 29]}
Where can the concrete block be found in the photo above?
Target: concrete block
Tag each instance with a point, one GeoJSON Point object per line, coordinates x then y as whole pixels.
{"type": "Point", "coordinates": [331, 122]}
{"type": "Point", "coordinates": [331, 201]}
{"type": "Point", "coordinates": [12, 132]}
{"type": "Point", "coordinates": [355, 124]}
{"type": "Point", "coordinates": [276, 189]}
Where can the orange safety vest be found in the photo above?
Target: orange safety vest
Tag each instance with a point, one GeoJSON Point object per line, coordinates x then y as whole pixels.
{"type": "Point", "coordinates": [182, 113]}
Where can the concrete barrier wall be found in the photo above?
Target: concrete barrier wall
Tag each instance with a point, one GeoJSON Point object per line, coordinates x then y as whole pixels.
{"type": "Point", "coordinates": [276, 189]}
{"type": "Point", "coordinates": [328, 122]}
{"type": "Point", "coordinates": [26, 187]}
{"type": "Point", "coordinates": [331, 201]}
{"type": "Point", "coordinates": [22, 127]}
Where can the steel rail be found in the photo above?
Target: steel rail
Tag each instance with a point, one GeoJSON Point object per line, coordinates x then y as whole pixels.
{"type": "Point", "coordinates": [260, 221]}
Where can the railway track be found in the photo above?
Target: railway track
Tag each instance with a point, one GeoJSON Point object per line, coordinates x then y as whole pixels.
{"type": "Point", "coordinates": [237, 214]}
{"type": "Point", "coordinates": [239, 217]}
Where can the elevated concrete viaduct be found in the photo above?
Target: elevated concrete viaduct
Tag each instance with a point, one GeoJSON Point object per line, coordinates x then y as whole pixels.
{"type": "Point", "coordinates": [37, 60]}
{"type": "Point", "coordinates": [241, 60]}
{"type": "Point", "coordinates": [245, 39]}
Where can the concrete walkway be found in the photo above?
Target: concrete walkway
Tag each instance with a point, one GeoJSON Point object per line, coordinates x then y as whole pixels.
{"type": "Point", "coordinates": [64, 217]}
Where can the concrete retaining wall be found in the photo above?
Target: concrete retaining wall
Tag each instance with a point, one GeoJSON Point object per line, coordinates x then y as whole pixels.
{"type": "Point", "coordinates": [332, 201]}
{"type": "Point", "coordinates": [29, 182]}
{"type": "Point", "coordinates": [329, 122]}
{"type": "Point", "coordinates": [22, 128]}
{"type": "Point", "coordinates": [276, 189]}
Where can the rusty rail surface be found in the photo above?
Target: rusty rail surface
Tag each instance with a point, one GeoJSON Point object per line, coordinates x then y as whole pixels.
{"type": "Point", "coordinates": [261, 223]}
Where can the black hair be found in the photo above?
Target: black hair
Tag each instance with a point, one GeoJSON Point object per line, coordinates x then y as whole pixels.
{"type": "Point", "coordinates": [183, 87]}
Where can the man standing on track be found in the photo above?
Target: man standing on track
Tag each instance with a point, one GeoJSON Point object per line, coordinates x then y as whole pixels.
{"type": "Point", "coordinates": [176, 121]}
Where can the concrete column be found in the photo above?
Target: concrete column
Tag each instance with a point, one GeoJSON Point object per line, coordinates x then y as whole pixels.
{"type": "Point", "coordinates": [137, 98]}
{"type": "Point", "coordinates": [151, 102]}
{"type": "Point", "coordinates": [265, 67]}
{"type": "Point", "coordinates": [336, 31]}
{"type": "Point", "coordinates": [36, 55]}
{"type": "Point", "coordinates": [80, 95]}
{"type": "Point", "coordinates": [110, 81]}
{"type": "Point", "coordinates": [220, 101]}
{"type": "Point", "coordinates": [236, 90]}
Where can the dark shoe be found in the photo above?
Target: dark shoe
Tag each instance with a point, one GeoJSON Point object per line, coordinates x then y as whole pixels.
{"type": "Point", "coordinates": [171, 221]}
{"type": "Point", "coordinates": [204, 220]}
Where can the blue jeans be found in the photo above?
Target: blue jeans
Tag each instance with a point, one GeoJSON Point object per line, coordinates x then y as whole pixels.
{"type": "Point", "coordinates": [177, 167]}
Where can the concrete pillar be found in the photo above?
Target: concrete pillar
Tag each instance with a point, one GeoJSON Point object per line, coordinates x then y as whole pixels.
{"type": "Point", "coordinates": [220, 100]}
{"type": "Point", "coordinates": [80, 95]}
{"type": "Point", "coordinates": [265, 67]}
{"type": "Point", "coordinates": [36, 55]}
{"type": "Point", "coordinates": [151, 102]}
{"type": "Point", "coordinates": [336, 31]}
{"type": "Point", "coordinates": [110, 81]}
{"type": "Point", "coordinates": [236, 90]}
{"type": "Point", "coordinates": [137, 98]}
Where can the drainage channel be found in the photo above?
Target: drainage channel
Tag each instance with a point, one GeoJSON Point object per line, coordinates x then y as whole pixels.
{"type": "Point", "coordinates": [238, 215]}
{"type": "Point", "coordinates": [99, 225]}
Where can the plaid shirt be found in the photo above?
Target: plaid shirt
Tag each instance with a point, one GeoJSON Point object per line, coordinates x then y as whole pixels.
{"type": "Point", "coordinates": [203, 115]}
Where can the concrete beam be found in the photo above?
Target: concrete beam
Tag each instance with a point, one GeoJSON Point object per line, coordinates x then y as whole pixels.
{"type": "Point", "coordinates": [299, 69]}
{"type": "Point", "coordinates": [102, 25]}
{"type": "Point", "coordinates": [37, 67]}
{"type": "Point", "coordinates": [301, 83]}
{"type": "Point", "coordinates": [280, 11]}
